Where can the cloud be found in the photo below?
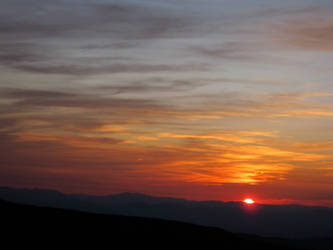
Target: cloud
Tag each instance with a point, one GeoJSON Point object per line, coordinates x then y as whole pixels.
{"type": "Point", "coordinates": [29, 98]}
{"type": "Point", "coordinates": [154, 84]}
{"type": "Point", "coordinates": [229, 136]}
{"type": "Point", "coordinates": [13, 93]}
{"type": "Point", "coordinates": [41, 59]}
{"type": "Point", "coordinates": [76, 142]}
{"type": "Point", "coordinates": [7, 123]}
{"type": "Point", "coordinates": [108, 100]}
{"type": "Point", "coordinates": [126, 20]}
{"type": "Point", "coordinates": [314, 146]}
{"type": "Point", "coordinates": [229, 51]}
{"type": "Point", "coordinates": [126, 91]}
{"type": "Point", "coordinates": [84, 70]}
{"type": "Point", "coordinates": [12, 53]}
{"type": "Point", "coordinates": [47, 34]}
{"type": "Point", "coordinates": [145, 21]}
{"type": "Point", "coordinates": [311, 30]}
{"type": "Point", "coordinates": [97, 108]}
{"type": "Point", "coordinates": [312, 36]}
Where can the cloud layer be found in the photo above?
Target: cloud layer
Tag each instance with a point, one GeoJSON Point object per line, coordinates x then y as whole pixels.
{"type": "Point", "coordinates": [168, 97]}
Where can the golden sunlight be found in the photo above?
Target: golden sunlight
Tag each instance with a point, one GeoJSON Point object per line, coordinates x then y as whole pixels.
{"type": "Point", "coordinates": [248, 201]}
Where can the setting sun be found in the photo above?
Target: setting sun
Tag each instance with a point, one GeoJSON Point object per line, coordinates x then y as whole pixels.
{"type": "Point", "coordinates": [248, 201]}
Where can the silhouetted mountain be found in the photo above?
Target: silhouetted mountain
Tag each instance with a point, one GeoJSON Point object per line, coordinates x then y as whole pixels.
{"type": "Point", "coordinates": [35, 226]}
{"type": "Point", "coordinates": [288, 221]}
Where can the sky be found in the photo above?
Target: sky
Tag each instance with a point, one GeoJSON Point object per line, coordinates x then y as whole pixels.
{"type": "Point", "coordinates": [203, 100]}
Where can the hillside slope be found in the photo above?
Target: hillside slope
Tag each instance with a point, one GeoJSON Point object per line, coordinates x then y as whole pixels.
{"type": "Point", "coordinates": [37, 225]}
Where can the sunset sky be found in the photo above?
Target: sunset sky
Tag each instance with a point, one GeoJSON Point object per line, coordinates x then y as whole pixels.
{"type": "Point", "coordinates": [203, 100]}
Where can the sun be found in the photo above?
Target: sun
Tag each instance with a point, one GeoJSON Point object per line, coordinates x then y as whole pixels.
{"type": "Point", "coordinates": [248, 201]}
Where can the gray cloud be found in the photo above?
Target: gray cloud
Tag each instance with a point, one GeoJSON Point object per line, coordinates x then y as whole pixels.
{"type": "Point", "coordinates": [228, 50]}
{"type": "Point", "coordinates": [13, 53]}
{"type": "Point", "coordinates": [143, 22]}
{"type": "Point", "coordinates": [7, 123]}
{"type": "Point", "coordinates": [32, 94]}
{"type": "Point", "coordinates": [154, 84]}
{"type": "Point", "coordinates": [63, 18]}
{"type": "Point", "coordinates": [40, 25]}
{"type": "Point", "coordinates": [77, 69]}
{"type": "Point", "coordinates": [32, 58]}
{"type": "Point", "coordinates": [25, 99]}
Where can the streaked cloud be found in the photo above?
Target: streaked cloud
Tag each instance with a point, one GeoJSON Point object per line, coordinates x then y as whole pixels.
{"type": "Point", "coordinates": [190, 98]}
{"type": "Point", "coordinates": [312, 29]}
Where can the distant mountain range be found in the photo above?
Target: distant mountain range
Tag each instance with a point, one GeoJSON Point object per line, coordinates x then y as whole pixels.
{"type": "Point", "coordinates": [287, 221]}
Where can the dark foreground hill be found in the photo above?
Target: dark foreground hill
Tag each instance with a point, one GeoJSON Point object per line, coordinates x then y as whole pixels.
{"type": "Point", "coordinates": [52, 227]}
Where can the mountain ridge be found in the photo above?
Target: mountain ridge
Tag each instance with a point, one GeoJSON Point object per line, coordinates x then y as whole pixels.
{"type": "Point", "coordinates": [70, 226]}
{"type": "Point", "coordinates": [285, 221]}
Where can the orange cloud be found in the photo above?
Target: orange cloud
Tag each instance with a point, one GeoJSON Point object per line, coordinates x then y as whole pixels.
{"type": "Point", "coordinates": [314, 146]}
{"type": "Point", "coordinates": [147, 138]}
{"type": "Point", "coordinates": [111, 129]}
{"type": "Point", "coordinates": [230, 136]}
